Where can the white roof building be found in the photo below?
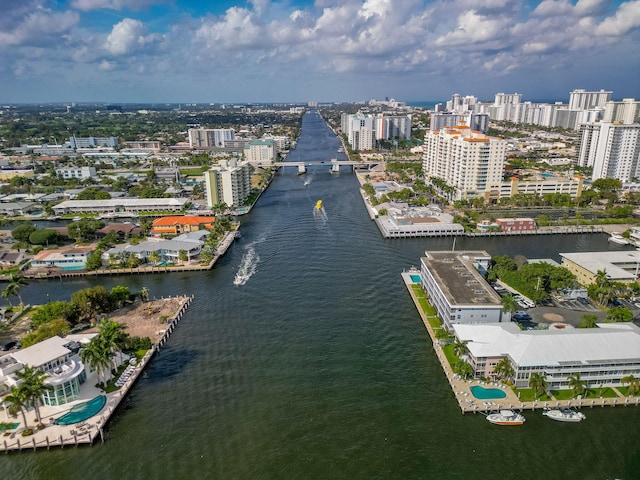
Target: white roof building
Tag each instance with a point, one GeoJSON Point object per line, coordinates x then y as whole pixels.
{"type": "Point", "coordinates": [602, 356]}
{"type": "Point", "coordinates": [620, 266]}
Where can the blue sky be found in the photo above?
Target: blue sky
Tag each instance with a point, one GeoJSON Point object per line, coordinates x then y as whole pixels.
{"type": "Point", "coordinates": [322, 50]}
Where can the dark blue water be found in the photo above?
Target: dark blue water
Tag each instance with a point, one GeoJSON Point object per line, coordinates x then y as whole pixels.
{"type": "Point", "coordinates": [320, 367]}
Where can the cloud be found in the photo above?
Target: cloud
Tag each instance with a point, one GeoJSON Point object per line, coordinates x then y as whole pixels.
{"type": "Point", "coordinates": [88, 5]}
{"type": "Point", "coordinates": [39, 27]}
{"type": "Point", "coordinates": [127, 36]}
{"type": "Point", "coordinates": [626, 19]}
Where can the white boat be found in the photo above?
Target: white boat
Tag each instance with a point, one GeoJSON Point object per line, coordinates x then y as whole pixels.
{"type": "Point", "coordinates": [506, 417]}
{"type": "Point", "coordinates": [240, 279]}
{"type": "Point", "coordinates": [564, 415]}
{"type": "Point", "coordinates": [616, 237]}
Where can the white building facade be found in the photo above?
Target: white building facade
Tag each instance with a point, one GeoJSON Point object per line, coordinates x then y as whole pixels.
{"type": "Point", "coordinates": [210, 137]}
{"type": "Point", "coordinates": [228, 182]}
{"type": "Point", "coordinates": [612, 150]}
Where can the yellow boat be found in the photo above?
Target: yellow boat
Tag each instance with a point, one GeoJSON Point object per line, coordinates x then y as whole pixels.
{"type": "Point", "coordinates": [319, 204]}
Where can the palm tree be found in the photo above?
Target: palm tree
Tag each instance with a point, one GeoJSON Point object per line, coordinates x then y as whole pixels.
{"type": "Point", "coordinates": [508, 304]}
{"type": "Point", "coordinates": [17, 282]}
{"type": "Point", "coordinates": [144, 294]}
{"type": "Point", "coordinates": [154, 256]}
{"type": "Point", "coordinates": [98, 357]}
{"type": "Point", "coordinates": [538, 381]}
{"type": "Point", "coordinates": [34, 386]}
{"type": "Point", "coordinates": [504, 369]}
{"type": "Point", "coordinates": [9, 292]}
{"type": "Point", "coordinates": [17, 401]}
{"type": "Point", "coordinates": [577, 385]}
{"type": "Point", "coordinates": [634, 384]}
{"type": "Point", "coordinates": [112, 335]}
{"type": "Point", "coordinates": [460, 348]}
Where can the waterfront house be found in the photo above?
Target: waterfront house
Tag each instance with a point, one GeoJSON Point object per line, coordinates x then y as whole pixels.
{"type": "Point", "coordinates": [176, 225]}
{"type": "Point", "coordinates": [68, 258]}
{"type": "Point", "coordinates": [602, 356]}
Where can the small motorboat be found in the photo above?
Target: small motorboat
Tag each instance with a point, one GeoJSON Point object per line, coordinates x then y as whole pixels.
{"type": "Point", "coordinates": [319, 205]}
{"type": "Point", "coordinates": [240, 279]}
{"type": "Point", "coordinates": [564, 415]}
{"type": "Point", "coordinates": [506, 417]}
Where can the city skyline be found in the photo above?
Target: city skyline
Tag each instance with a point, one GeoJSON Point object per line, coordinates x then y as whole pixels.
{"type": "Point", "coordinates": [322, 50]}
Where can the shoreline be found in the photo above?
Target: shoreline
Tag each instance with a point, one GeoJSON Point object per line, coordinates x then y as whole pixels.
{"type": "Point", "coordinates": [90, 430]}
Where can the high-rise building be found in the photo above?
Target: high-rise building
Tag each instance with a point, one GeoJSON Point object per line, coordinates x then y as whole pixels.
{"type": "Point", "coordinates": [228, 182]}
{"type": "Point", "coordinates": [260, 151]}
{"type": "Point", "coordinates": [476, 121]}
{"type": "Point", "coordinates": [612, 150]}
{"type": "Point", "coordinates": [361, 131]}
{"type": "Point", "coordinates": [389, 127]}
{"type": "Point", "coordinates": [506, 98]}
{"type": "Point", "coordinates": [466, 160]}
{"type": "Point", "coordinates": [627, 111]}
{"type": "Point", "coordinates": [210, 137]}
{"type": "Point", "coordinates": [580, 99]}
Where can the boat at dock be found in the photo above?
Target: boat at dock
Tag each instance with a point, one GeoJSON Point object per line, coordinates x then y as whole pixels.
{"type": "Point", "coordinates": [564, 415]}
{"type": "Point", "coordinates": [616, 237]}
{"type": "Point", "coordinates": [506, 417]}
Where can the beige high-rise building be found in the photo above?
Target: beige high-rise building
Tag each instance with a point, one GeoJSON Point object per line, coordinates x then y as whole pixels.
{"type": "Point", "coordinates": [466, 160]}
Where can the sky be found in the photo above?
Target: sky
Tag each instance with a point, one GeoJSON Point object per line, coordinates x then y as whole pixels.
{"type": "Point", "coordinates": [227, 51]}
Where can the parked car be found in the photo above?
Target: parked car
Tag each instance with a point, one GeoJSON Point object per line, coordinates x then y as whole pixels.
{"type": "Point", "coordinates": [8, 346]}
{"type": "Point", "coordinates": [637, 305]}
{"type": "Point", "coordinates": [583, 300]}
{"type": "Point", "coordinates": [522, 316]}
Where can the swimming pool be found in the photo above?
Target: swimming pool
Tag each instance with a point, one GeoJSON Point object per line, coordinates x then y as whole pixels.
{"type": "Point", "coordinates": [482, 393]}
{"type": "Point", "coordinates": [415, 278]}
{"type": "Point", "coordinates": [82, 411]}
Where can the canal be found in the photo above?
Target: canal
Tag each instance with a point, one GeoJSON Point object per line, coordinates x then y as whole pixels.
{"type": "Point", "coordinates": [319, 366]}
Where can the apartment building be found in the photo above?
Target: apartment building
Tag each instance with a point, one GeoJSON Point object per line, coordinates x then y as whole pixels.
{"type": "Point", "coordinates": [612, 150]}
{"type": "Point", "coordinates": [228, 182]}
{"type": "Point", "coordinates": [210, 137]}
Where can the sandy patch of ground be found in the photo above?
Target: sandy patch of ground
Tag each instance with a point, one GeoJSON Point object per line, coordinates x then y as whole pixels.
{"type": "Point", "coordinates": [148, 319]}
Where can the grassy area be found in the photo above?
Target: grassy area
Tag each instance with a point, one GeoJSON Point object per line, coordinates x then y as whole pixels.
{"type": "Point", "coordinates": [194, 172]}
{"type": "Point", "coordinates": [452, 358]}
{"type": "Point", "coordinates": [562, 394]}
{"type": "Point", "coordinates": [528, 395]}
{"type": "Point", "coordinates": [605, 392]}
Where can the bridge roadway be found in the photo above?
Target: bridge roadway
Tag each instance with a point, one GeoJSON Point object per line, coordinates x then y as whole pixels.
{"type": "Point", "coordinates": [335, 164]}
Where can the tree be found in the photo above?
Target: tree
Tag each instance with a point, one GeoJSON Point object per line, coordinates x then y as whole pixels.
{"type": "Point", "coordinates": [82, 230]}
{"type": "Point", "coordinates": [119, 295]}
{"type": "Point", "coordinates": [619, 314]}
{"type": "Point", "coordinates": [22, 231]}
{"type": "Point", "coordinates": [153, 257]}
{"type": "Point", "coordinates": [508, 304]}
{"type": "Point", "coordinates": [32, 381]}
{"type": "Point", "coordinates": [576, 384]}
{"type": "Point", "coordinates": [634, 384]}
{"type": "Point", "coordinates": [112, 336]}
{"type": "Point", "coordinates": [144, 294]}
{"type": "Point", "coordinates": [538, 382]}
{"type": "Point", "coordinates": [589, 321]}
{"type": "Point", "coordinates": [504, 369]}
{"type": "Point", "coordinates": [17, 401]}
{"type": "Point", "coordinates": [182, 256]}
{"type": "Point", "coordinates": [98, 357]}
{"type": "Point", "coordinates": [94, 260]}
{"type": "Point", "coordinates": [43, 237]}
{"type": "Point", "coordinates": [91, 301]}
{"type": "Point", "coordinates": [460, 348]}
{"type": "Point", "coordinates": [463, 369]}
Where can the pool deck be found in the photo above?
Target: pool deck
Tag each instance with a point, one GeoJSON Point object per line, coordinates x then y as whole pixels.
{"type": "Point", "coordinates": [92, 429]}
{"type": "Point", "coordinates": [470, 404]}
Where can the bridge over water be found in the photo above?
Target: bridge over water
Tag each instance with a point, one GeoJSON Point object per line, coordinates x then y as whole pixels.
{"type": "Point", "coordinates": [334, 164]}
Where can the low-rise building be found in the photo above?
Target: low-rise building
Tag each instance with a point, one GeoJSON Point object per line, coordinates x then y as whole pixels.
{"type": "Point", "coordinates": [80, 173]}
{"type": "Point", "coordinates": [68, 258]}
{"type": "Point", "coordinates": [516, 224]}
{"type": "Point", "coordinates": [457, 289]}
{"type": "Point", "coordinates": [620, 266]}
{"type": "Point", "coordinates": [602, 356]}
{"type": "Point", "coordinates": [121, 205]}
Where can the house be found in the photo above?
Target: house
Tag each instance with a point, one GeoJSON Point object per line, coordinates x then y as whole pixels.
{"type": "Point", "coordinates": [123, 230]}
{"type": "Point", "coordinates": [176, 224]}
{"type": "Point", "coordinates": [10, 259]}
{"type": "Point", "coordinates": [69, 258]}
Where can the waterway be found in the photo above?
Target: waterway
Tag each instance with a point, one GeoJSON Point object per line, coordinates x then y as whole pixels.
{"type": "Point", "coordinates": [319, 366]}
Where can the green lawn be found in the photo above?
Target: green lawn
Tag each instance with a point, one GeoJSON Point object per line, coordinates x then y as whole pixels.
{"type": "Point", "coordinates": [562, 394]}
{"type": "Point", "coordinates": [452, 358]}
{"type": "Point", "coordinates": [528, 395]}
{"type": "Point", "coordinates": [605, 392]}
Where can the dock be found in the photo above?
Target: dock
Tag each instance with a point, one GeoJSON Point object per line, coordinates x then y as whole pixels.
{"type": "Point", "coordinates": [461, 387]}
{"type": "Point", "coordinates": [90, 431]}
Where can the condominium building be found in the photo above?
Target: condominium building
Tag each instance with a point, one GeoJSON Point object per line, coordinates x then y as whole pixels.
{"type": "Point", "coordinates": [458, 290]}
{"type": "Point", "coordinates": [228, 182]}
{"type": "Point", "coordinates": [580, 99]}
{"type": "Point", "coordinates": [210, 137]}
{"type": "Point", "coordinates": [260, 151]}
{"type": "Point", "coordinates": [390, 127]}
{"type": "Point", "coordinates": [506, 98]}
{"type": "Point", "coordinates": [476, 121]}
{"type": "Point", "coordinates": [626, 112]}
{"type": "Point", "coordinates": [541, 186]}
{"type": "Point", "coordinates": [93, 142]}
{"type": "Point", "coordinates": [466, 160]}
{"type": "Point", "coordinates": [602, 356]}
{"type": "Point", "coordinates": [612, 150]}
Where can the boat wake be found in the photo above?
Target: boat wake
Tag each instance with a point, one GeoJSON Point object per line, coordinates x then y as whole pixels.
{"type": "Point", "coordinates": [248, 266]}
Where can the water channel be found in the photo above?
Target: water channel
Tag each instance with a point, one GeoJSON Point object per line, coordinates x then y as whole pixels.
{"type": "Point", "coordinates": [319, 366]}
